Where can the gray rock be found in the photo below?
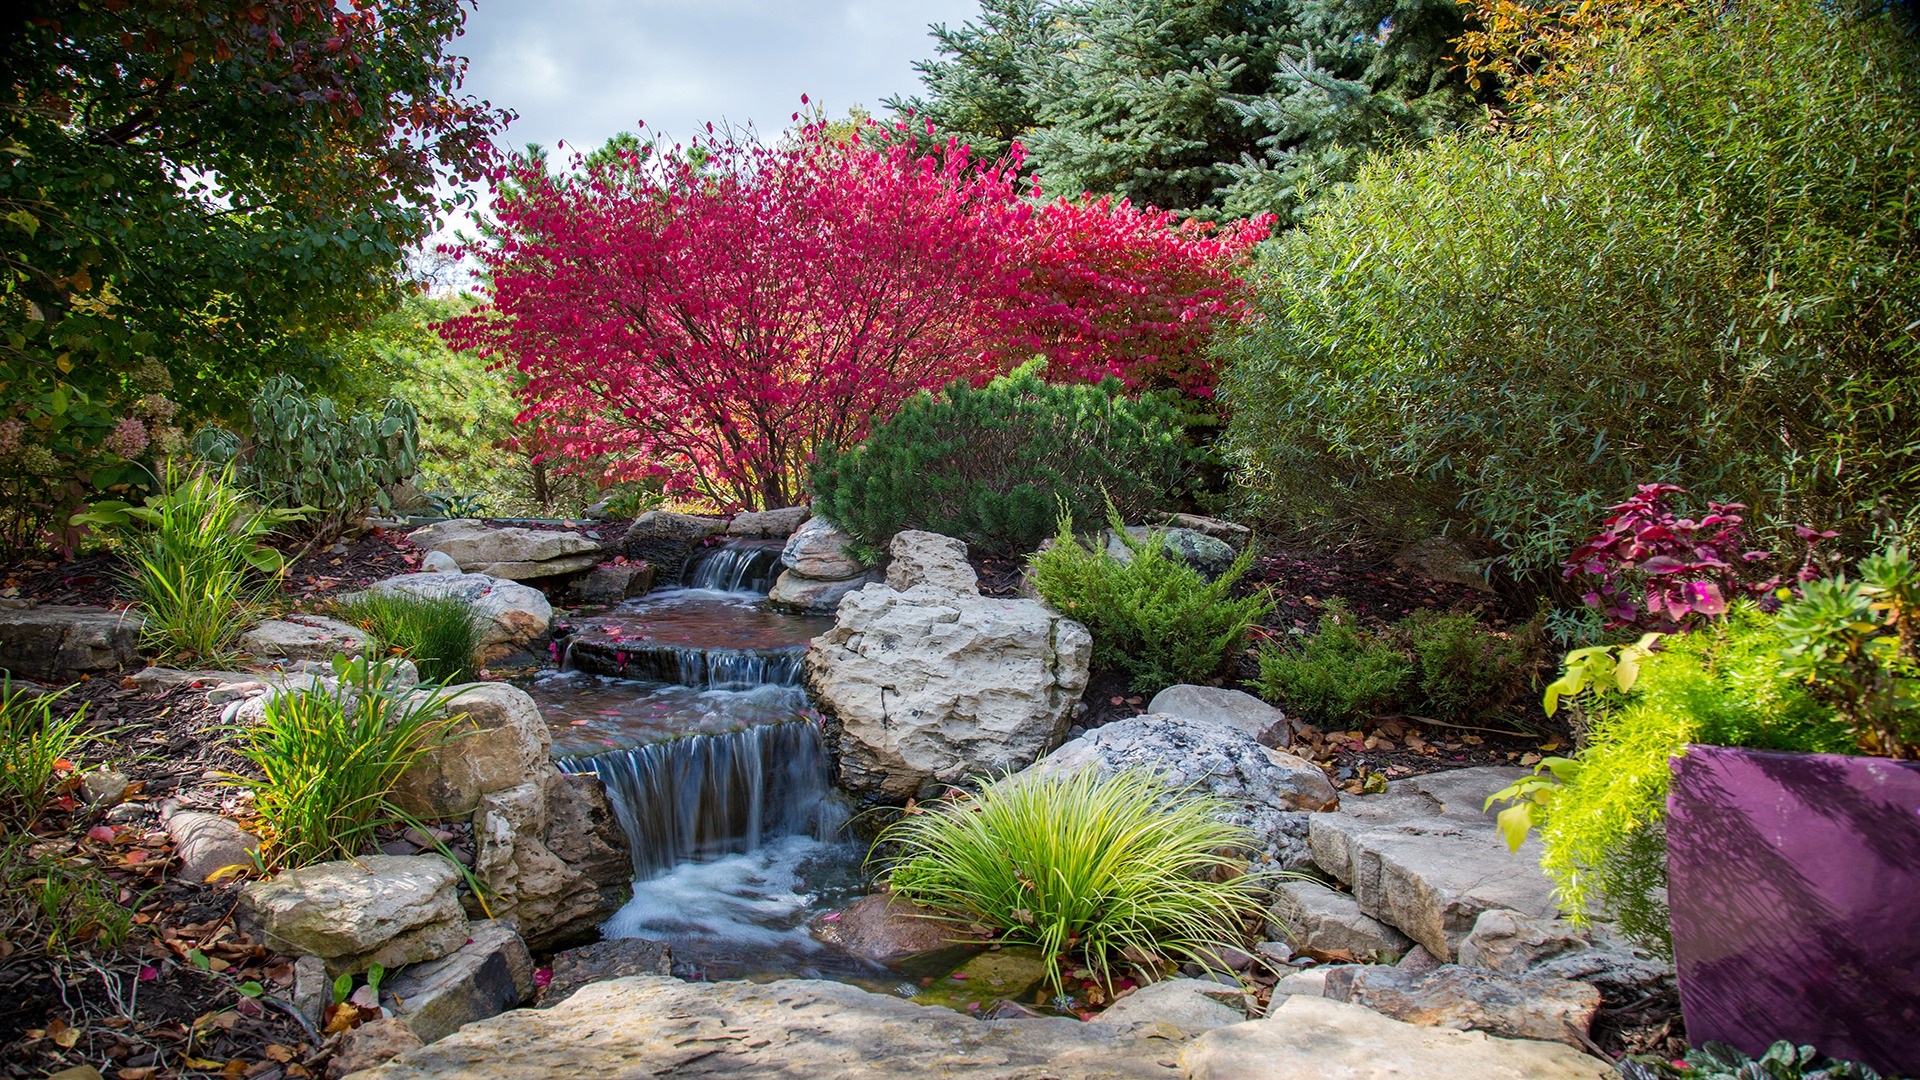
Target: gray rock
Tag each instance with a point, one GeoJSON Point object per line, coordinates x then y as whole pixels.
{"type": "Point", "coordinates": [353, 913]}
{"type": "Point", "coordinates": [439, 562]}
{"type": "Point", "coordinates": [1616, 970]}
{"type": "Point", "coordinates": [929, 559]}
{"type": "Point", "coordinates": [1316, 919]}
{"type": "Point", "coordinates": [883, 927]}
{"type": "Point", "coordinates": [501, 742]}
{"type": "Point", "coordinates": [928, 687]}
{"type": "Point", "coordinates": [206, 843]}
{"type": "Point", "coordinates": [1233, 534]}
{"type": "Point", "coordinates": [1236, 709]}
{"type": "Point", "coordinates": [530, 571]}
{"type": "Point", "coordinates": [304, 637]}
{"type": "Point", "coordinates": [1267, 791]}
{"type": "Point", "coordinates": [769, 524]}
{"type": "Point", "coordinates": [104, 787]}
{"type": "Point", "coordinates": [516, 615]}
{"type": "Point", "coordinates": [312, 989]}
{"type": "Point", "coordinates": [1308, 1038]}
{"type": "Point", "coordinates": [491, 973]}
{"type": "Point", "coordinates": [1426, 859]}
{"type": "Point", "coordinates": [612, 583]}
{"type": "Point", "coordinates": [654, 1026]}
{"type": "Point", "coordinates": [1444, 559]}
{"type": "Point", "coordinates": [54, 643]}
{"type": "Point", "coordinates": [1192, 1005]}
{"type": "Point", "coordinates": [1512, 943]}
{"type": "Point", "coordinates": [799, 595]}
{"type": "Point", "coordinates": [551, 901]}
{"type": "Point", "coordinates": [1202, 552]}
{"type": "Point", "coordinates": [665, 539]}
{"type": "Point", "coordinates": [371, 1044]}
{"type": "Point", "coordinates": [1311, 982]}
{"type": "Point", "coordinates": [822, 551]}
{"type": "Point", "coordinates": [583, 833]}
{"type": "Point", "coordinates": [475, 546]}
{"type": "Point", "coordinates": [1530, 1006]}
{"type": "Point", "coordinates": [603, 961]}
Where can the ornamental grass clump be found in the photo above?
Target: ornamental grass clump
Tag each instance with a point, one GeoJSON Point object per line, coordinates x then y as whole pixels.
{"type": "Point", "coordinates": [34, 746]}
{"type": "Point", "coordinates": [195, 558]}
{"type": "Point", "coordinates": [326, 760]}
{"type": "Point", "coordinates": [440, 634]}
{"type": "Point", "coordinates": [1111, 868]}
{"type": "Point", "coordinates": [1153, 617]}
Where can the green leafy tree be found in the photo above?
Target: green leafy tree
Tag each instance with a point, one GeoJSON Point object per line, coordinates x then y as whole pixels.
{"type": "Point", "coordinates": [197, 194]}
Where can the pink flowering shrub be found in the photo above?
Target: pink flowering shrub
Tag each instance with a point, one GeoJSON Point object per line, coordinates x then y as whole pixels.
{"type": "Point", "coordinates": [714, 316]}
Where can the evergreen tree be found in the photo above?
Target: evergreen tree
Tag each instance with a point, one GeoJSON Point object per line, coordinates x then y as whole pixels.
{"type": "Point", "coordinates": [1212, 108]}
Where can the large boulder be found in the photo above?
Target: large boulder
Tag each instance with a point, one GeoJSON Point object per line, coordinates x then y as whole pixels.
{"type": "Point", "coordinates": [491, 973]}
{"type": "Point", "coordinates": [822, 551]}
{"type": "Point", "coordinates": [1313, 918]}
{"type": "Point", "coordinates": [1234, 708]}
{"type": "Point", "coordinates": [54, 643]}
{"type": "Point", "coordinates": [516, 615]}
{"type": "Point", "coordinates": [934, 685]}
{"type": "Point", "coordinates": [551, 901]}
{"type": "Point", "coordinates": [923, 558]}
{"type": "Point", "coordinates": [659, 1026]}
{"type": "Point", "coordinates": [515, 553]}
{"type": "Point", "coordinates": [353, 913]}
{"type": "Point", "coordinates": [769, 524]}
{"type": "Point", "coordinates": [304, 637]}
{"type": "Point", "coordinates": [1425, 857]}
{"type": "Point", "coordinates": [665, 539]}
{"type": "Point", "coordinates": [498, 741]}
{"type": "Point", "coordinates": [1309, 1038]}
{"type": "Point", "coordinates": [1531, 1006]}
{"type": "Point", "coordinates": [1266, 791]}
{"type": "Point", "coordinates": [799, 595]}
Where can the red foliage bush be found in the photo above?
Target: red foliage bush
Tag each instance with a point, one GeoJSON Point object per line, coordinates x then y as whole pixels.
{"type": "Point", "coordinates": [715, 315]}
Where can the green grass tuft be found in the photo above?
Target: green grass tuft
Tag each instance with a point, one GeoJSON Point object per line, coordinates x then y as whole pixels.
{"type": "Point", "coordinates": [440, 634]}
{"type": "Point", "coordinates": [33, 745]}
{"type": "Point", "coordinates": [1115, 868]}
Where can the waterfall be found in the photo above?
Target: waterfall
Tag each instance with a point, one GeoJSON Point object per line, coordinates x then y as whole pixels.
{"type": "Point", "coordinates": [700, 797]}
{"type": "Point", "coordinates": [736, 566]}
{"type": "Point", "coordinates": [687, 665]}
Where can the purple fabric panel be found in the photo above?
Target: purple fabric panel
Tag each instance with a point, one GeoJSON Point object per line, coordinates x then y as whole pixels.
{"type": "Point", "coordinates": [1794, 881]}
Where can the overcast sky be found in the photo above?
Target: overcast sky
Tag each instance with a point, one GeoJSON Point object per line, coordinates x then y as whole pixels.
{"type": "Point", "coordinates": [581, 70]}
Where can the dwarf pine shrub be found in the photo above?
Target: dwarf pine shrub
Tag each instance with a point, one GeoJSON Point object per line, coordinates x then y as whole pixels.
{"type": "Point", "coordinates": [993, 465]}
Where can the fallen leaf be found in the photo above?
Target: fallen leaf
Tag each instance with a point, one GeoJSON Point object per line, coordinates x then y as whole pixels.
{"type": "Point", "coordinates": [277, 1052]}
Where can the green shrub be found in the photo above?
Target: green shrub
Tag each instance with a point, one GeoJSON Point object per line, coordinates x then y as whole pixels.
{"type": "Point", "coordinates": [1697, 267]}
{"type": "Point", "coordinates": [195, 558]}
{"type": "Point", "coordinates": [1445, 667]}
{"type": "Point", "coordinates": [1856, 645]}
{"type": "Point", "coordinates": [1106, 866]}
{"type": "Point", "coordinates": [992, 466]}
{"type": "Point", "coordinates": [304, 452]}
{"type": "Point", "coordinates": [1718, 1061]}
{"type": "Point", "coordinates": [1338, 677]}
{"type": "Point", "coordinates": [1153, 617]}
{"type": "Point", "coordinates": [328, 760]}
{"type": "Point", "coordinates": [440, 634]}
{"type": "Point", "coordinates": [1724, 685]}
{"type": "Point", "coordinates": [33, 745]}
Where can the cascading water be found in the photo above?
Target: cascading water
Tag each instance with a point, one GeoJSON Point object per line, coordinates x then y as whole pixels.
{"type": "Point", "coordinates": [702, 796]}
{"type": "Point", "coordinates": [687, 704]}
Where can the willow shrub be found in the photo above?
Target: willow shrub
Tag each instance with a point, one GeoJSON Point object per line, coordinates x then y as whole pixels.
{"type": "Point", "coordinates": [1115, 868]}
{"type": "Point", "coordinates": [1697, 265]}
{"type": "Point", "coordinates": [992, 465]}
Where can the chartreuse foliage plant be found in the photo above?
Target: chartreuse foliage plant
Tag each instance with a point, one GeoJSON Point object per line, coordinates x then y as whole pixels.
{"type": "Point", "coordinates": [440, 634]}
{"type": "Point", "coordinates": [324, 760]}
{"type": "Point", "coordinates": [1153, 616]}
{"type": "Point", "coordinates": [1113, 868]}
{"type": "Point", "coordinates": [993, 466]}
{"type": "Point", "coordinates": [1691, 264]}
{"type": "Point", "coordinates": [35, 745]}
{"type": "Point", "coordinates": [196, 558]}
{"type": "Point", "coordinates": [1728, 683]}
